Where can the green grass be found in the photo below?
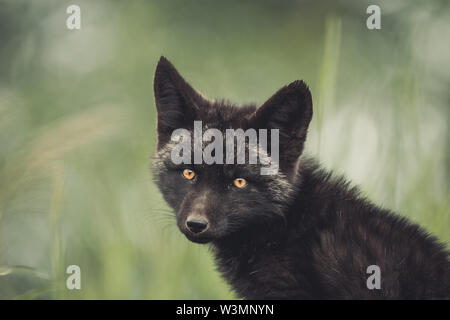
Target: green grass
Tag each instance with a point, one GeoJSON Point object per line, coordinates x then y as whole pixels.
{"type": "Point", "coordinates": [77, 126]}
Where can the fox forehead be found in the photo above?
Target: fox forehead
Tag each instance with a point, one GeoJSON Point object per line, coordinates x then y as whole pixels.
{"type": "Point", "coordinates": [257, 148]}
{"type": "Point", "coordinates": [278, 184]}
{"type": "Point", "coordinates": [222, 115]}
{"type": "Point", "coordinates": [163, 163]}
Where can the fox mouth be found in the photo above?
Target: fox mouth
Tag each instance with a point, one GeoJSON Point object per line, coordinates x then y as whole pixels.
{"type": "Point", "coordinates": [200, 238]}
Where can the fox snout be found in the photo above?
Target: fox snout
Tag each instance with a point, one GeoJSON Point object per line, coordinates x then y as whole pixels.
{"type": "Point", "coordinates": [197, 229]}
{"type": "Point", "coordinates": [196, 224]}
{"type": "Point", "coordinates": [195, 218]}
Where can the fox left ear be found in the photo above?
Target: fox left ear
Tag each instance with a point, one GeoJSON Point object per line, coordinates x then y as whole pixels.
{"type": "Point", "coordinates": [290, 111]}
{"type": "Point", "coordinates": [176, 101]}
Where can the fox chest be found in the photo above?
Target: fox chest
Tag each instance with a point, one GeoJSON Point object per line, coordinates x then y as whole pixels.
{"type": "Point", "coordinates": [269, 275]}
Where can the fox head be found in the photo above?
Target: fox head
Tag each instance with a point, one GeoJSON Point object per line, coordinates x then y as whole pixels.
{"type": "Point", "coordinates": [214, 202]}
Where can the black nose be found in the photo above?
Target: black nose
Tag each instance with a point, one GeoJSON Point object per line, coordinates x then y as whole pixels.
{"type": "Point", "coordinates": [196, 224]}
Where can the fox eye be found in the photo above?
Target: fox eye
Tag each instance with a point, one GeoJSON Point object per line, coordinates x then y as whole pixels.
{"type": "Point", "coordinates": [240, 183]}
{"type": "Point", "coordinates": [188, 174]}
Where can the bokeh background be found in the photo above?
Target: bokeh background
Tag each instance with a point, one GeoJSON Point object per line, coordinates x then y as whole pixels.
{"type": "Point", "coordinates": [77, 125]}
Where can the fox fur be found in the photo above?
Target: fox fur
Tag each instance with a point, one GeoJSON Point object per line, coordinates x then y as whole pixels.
{"type": "Point", "coordinates": [301, 233]}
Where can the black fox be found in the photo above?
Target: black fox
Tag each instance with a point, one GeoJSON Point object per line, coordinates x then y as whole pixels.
{"type": "Point", "coordinates": [298, 234]}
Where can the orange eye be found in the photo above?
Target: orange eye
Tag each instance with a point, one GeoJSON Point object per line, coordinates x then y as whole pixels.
{"type": "Point", "coordinates": [188, 174]}
{"type": "Point", "coordinates": [240, 182]}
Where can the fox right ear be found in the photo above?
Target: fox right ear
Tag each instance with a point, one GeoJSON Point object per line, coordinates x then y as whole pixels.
{"type": "Point", "coordinates": [176, 101]}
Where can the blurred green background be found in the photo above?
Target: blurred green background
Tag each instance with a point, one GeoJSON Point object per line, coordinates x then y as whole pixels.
{"type": "Point", "coordinates": [77, 125]}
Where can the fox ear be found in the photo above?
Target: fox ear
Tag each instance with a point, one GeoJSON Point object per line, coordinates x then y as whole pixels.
{"type": "Point", "coordinates": [290, 111]}
{"type": "Point", "coordinates": [176, 101]}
